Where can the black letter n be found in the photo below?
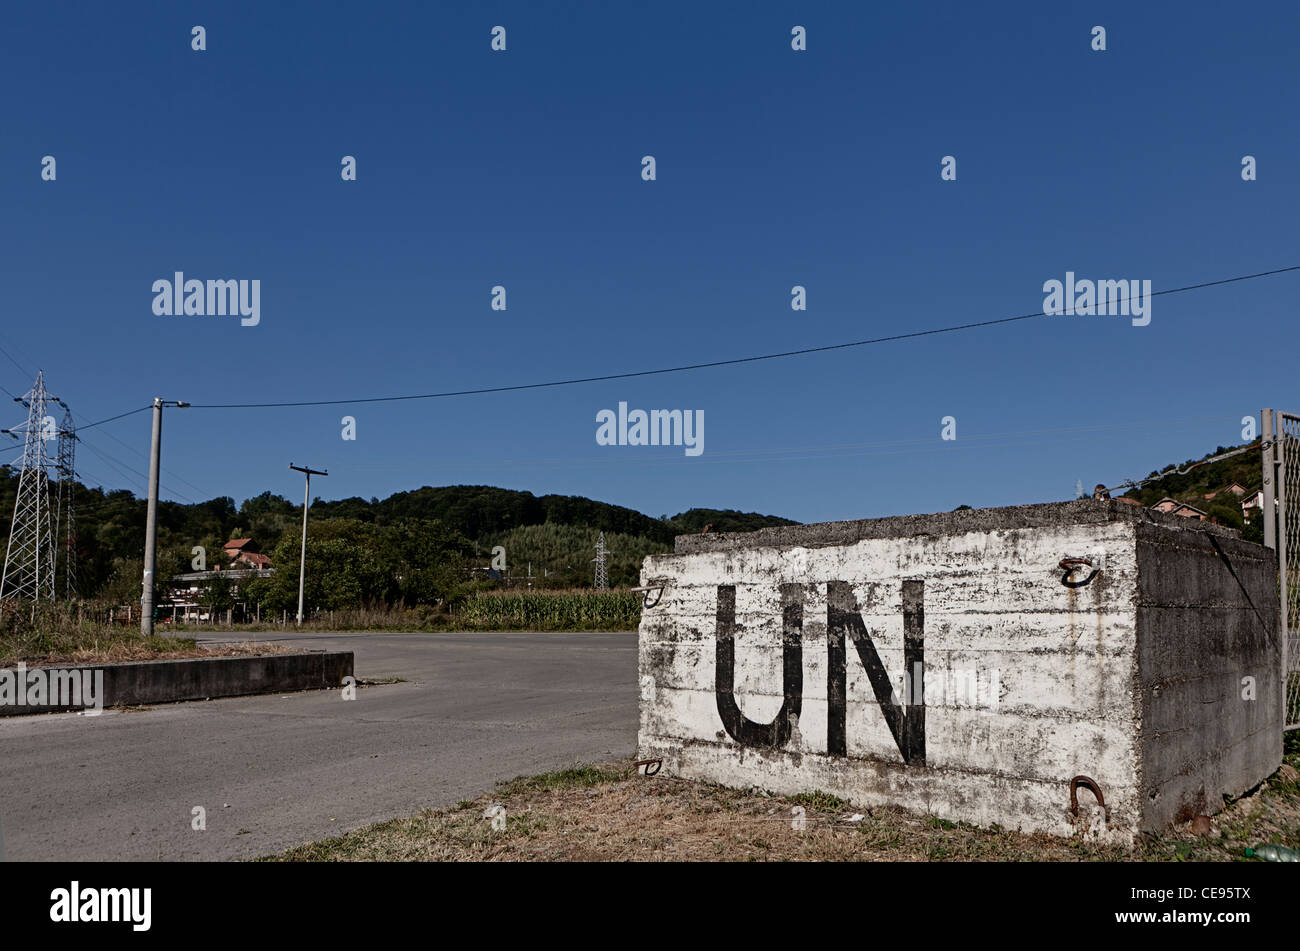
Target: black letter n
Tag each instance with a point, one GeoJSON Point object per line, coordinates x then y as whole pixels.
{"type": "Point", "coordinates": [842, 618]}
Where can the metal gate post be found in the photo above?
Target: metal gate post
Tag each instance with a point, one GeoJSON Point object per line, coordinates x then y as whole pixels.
{"type": "Point", "coordinates": [1268, 511]}
{"type": "Point", "coordinates": [1286, 483]}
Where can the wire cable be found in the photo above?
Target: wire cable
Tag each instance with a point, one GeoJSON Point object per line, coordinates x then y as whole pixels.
{"type": "Point", "coordinates": [145, 457]}
{"type": "Point", "coordinates": [111, 418]}
{"type": "Point", "coordinates": [120, 466]}
{"type": "Point", "coordinates": [716, 363]}
{"type": "Point", "coordinates": [10, 357]}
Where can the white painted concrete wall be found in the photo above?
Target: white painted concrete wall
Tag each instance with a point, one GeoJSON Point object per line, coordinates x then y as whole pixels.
{"type": "Point", "coordinates": [1063, 661]}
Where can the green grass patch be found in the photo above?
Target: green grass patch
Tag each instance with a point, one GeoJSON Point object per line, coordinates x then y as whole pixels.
{"type": "Point", "coordinates": [822, 801]}
{"type": "Point", "coordinates": [575, 777]}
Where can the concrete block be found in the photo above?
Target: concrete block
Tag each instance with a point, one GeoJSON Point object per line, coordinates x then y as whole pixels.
{"type": "Point", "coordinates": [140, 683]}
{"type": "Point", "coordinates": [948, 664]}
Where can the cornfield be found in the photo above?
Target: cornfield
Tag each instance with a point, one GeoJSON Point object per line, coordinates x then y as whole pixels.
{"type": "Point", "coordinates": [580, 610]}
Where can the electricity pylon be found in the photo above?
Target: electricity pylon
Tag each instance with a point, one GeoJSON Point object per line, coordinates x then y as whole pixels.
{"type": "Point", "coordinates": [29, 558]}
{"type": "Point", "coordinates": [64, 522]}
{"type": "Point", "coordinates": [602, 570]}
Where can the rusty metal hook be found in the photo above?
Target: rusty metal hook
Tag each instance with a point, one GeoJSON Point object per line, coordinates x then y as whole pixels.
{"type": "Point", "coordinates": [1069, 564]}
{"type": "Point", "coordinates": [645, 594]}
{"type": "Point", "coordinates": [647, 763]}
{"type": "Point", "coordinates": [1096, 791]}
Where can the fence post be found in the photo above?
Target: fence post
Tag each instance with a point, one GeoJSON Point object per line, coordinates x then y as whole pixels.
{"type": "Point", "coordinates": [1281, 446]}
{"type": "Point", "coordinates": [1269, 512]}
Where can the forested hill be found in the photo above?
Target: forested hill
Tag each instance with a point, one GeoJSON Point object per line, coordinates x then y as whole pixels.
{"type": "Point", "coordinates": [1245, 469]}
{"type": "Point", "coordinates": [110, 525]}
{"type": "Point", "coordinates": [728, 520]}
{"type": "Point", "coordinates": [479, 511]}
{"type": "Point", "coordinates": [1192, 488]}
{"type": "Point", "coordinates": [549, 534]}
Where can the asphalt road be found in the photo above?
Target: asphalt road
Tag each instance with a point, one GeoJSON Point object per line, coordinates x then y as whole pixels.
{"type": "Point", "coordinates": [279, 770]}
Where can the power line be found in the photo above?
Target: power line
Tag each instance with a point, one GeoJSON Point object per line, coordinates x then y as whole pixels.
{"type": "Point", "coordinates": [118, 416]}
{"type": "Point", "coordinates": [142, 455]}
{"type": "Point", "coordinates": [85, 478]}
{"type": "Point", "coordinates": [978, 440]}
{"type": "Point", "coordinates": [101, 422]}
{"type": "Point", "coordinates": [120, 465]}
{"type": "Point", "coordinates": [714, 363]}
{"type": "Point", "coordinates": [131, 475]}
{"type": "Point", "coordinates": [117, 464]}
{"type": "Point", "coordinates": [125, 444]}
{"type": "Point", "coordinates": [21, 368]}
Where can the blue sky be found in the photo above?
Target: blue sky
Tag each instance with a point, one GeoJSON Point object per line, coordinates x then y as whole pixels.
{"type": "Point", "coordinates": [775, 168]}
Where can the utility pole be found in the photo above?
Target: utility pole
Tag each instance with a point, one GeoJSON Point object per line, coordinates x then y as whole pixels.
{"type": "Point", "coordinates": [306, 500]}
{"type": "Point", "coordinates": [151, 519]}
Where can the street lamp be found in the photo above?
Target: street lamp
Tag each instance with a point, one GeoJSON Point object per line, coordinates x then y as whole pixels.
{"type": "Point", "coordinates": [306, 500]}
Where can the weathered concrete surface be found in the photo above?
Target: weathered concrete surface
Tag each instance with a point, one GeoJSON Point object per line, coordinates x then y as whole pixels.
{"type": "Point", "coordinates": [1207, 624]}
{"type": "Point", "coordinates": [139, 683]}
{"type": "Point", "coordinates": [275, 771]}
{"type": "Point", "coordinates": [776, 658]}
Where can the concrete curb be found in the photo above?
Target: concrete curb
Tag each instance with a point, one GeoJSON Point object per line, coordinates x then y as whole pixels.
{"type": "Point", "coordinates": [138, 683]}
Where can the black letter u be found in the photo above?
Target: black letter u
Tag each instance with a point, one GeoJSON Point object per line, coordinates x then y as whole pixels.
{"type": "Point", "coordinates": [741, 728]}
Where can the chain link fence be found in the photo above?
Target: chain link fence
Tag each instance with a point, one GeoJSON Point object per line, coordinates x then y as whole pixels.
{"type": "Point", "coordinates": [1282, 532]}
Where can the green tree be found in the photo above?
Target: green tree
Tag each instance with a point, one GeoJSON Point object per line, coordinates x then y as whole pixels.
{"type": "Point", "coordinates": [352, 563]}
{"type": "Point", "coordinates": [124, 583]}
{"type": "Point", "coordinates": [217, 594]}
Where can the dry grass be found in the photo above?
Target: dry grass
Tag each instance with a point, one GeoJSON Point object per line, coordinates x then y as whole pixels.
{"type": "Point", "coordinates": [608, 813]}
{"type": "Point", "coordinates": [65, 634]}
{"type": "Point", "coordinates": [69, 633]}
{"type": "Point", "coordinates": [120, 650]}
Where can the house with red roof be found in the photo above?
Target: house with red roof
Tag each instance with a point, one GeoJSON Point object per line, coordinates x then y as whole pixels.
{"type": "Point", "coordinates": [244, 551]}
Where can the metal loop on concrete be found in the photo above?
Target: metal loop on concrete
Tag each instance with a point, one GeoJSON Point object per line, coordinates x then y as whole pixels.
{"type": "Point", "coordinates": [1096, 791]}
{"type": "Point", "coordinates": [647, 763]}
{"type": "Point", "coordinates": [1070, 564]}
{"type": "Point", "coordinates": [645, 594]}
